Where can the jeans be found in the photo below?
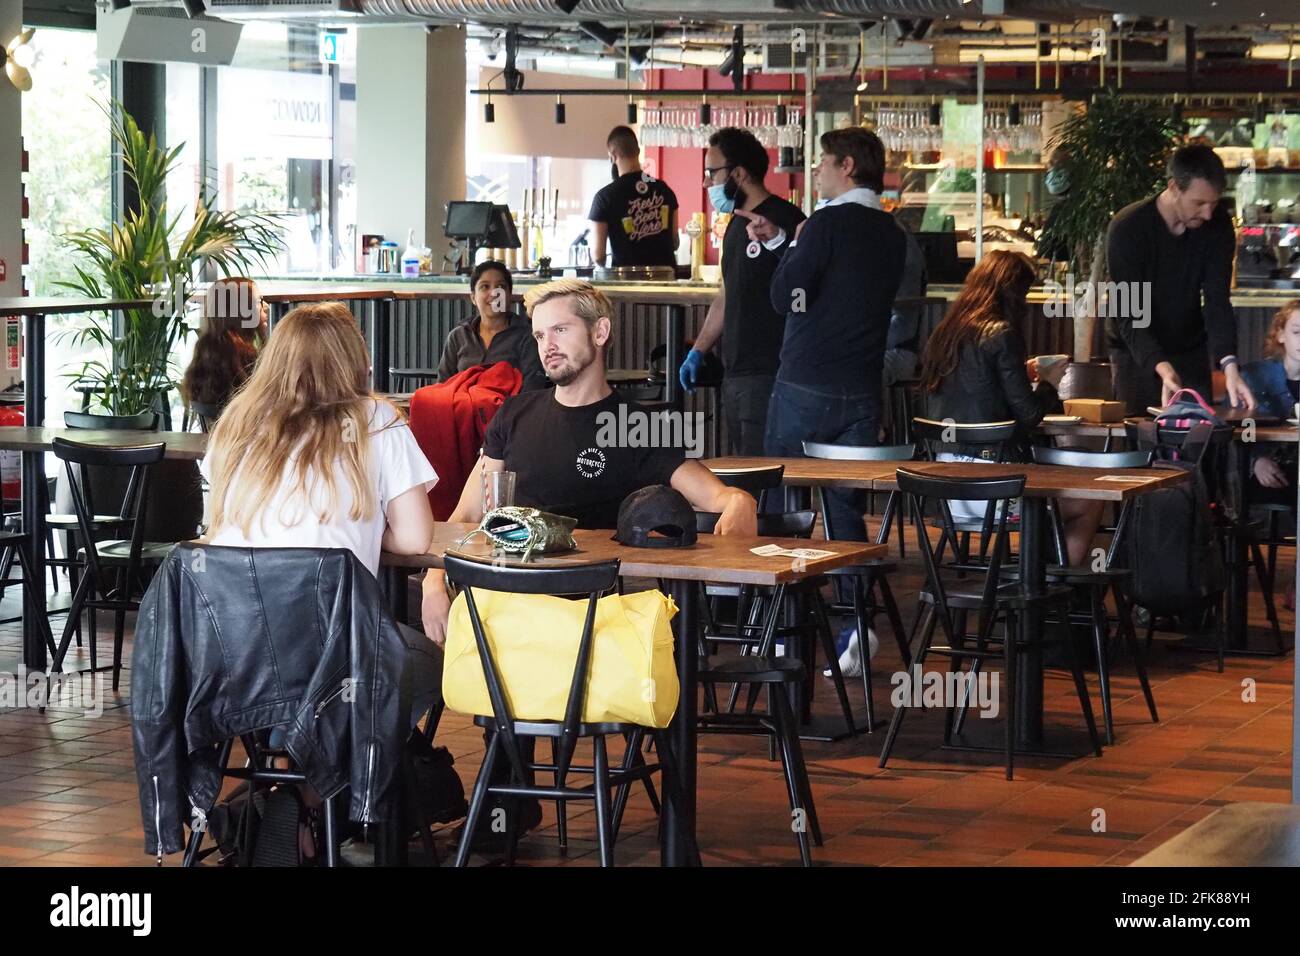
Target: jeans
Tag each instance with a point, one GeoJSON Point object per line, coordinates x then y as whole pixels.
{"type": "Point", "coordinates": [798, 414]}
{"type": "Point", "coordinates": [744, 407]}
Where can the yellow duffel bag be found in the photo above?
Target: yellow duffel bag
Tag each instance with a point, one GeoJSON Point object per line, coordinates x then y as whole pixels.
{"type": "Point", "coordinates": [534, 640]}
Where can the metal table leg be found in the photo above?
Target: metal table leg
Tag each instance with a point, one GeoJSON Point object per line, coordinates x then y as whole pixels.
{"type": "Point", "coordinates": [33, 476]}
{"type": "Point", "coordinates": [675, 322]}
{"type": "Point", "coordinates": [678, 825]}
{"type": "Point", "coordinates": [1033, 574]}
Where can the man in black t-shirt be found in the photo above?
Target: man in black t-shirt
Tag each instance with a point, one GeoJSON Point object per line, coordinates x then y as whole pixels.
{"type": "Point", "coordinates": [636, 213]}
{"type": "Point", "coordinates": [567, 459]}
{"type": "Point", "coordinates": [1167, 252]}
{"type": "Point", "coordinates": [567, 446]}
{"type": "Point", "coordinates": [742, 314]}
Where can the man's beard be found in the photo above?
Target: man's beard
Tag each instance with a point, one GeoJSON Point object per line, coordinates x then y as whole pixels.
{"type": "Point", "coordinates": [566, 373]}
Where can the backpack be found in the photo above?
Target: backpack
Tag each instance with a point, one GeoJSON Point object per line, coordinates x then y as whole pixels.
{"type": "Point", "coordinates": [438, 787]}
{"type": "Point", "coordinates": [1173, 547]}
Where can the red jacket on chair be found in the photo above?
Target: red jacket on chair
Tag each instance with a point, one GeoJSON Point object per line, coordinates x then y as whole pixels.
{"type": "Point", "coordinates": [449, 421]}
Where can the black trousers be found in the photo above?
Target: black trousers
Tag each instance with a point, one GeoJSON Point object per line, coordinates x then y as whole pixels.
{"type": "Point", "coordinates": [1139, 388]}
{"type": "Point", "coordinates": [744, 407]}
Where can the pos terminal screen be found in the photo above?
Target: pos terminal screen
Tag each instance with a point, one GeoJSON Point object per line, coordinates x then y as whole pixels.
{"type": "Point", "coordinates": [466, 220]}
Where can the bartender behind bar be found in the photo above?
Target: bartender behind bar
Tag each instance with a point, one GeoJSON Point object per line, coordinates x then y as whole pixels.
{"type": "Point", "coordinates": [1181, 243]}
{"type": "Point", "coordinates": [636, 213]}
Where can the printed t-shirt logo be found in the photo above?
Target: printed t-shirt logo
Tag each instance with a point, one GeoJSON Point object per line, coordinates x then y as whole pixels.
{"type": "Point", "coordinates": [591, 462]}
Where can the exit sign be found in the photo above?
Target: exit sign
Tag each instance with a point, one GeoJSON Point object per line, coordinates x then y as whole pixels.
{"type": "Point", "coordinates": [331, 47]}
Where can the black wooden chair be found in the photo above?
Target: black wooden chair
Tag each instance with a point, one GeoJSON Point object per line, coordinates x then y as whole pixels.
{"type": "Point", "coordinates": [592, 581]}
{"type": "Point", "coordinates": [410, 379]}
{"type": "Point", "coordinates": [1095, 582]}
{"type": "Point", "coordinates": [800, 606]}
{"type": "Point", "coordinates": [933, 438]}
{"type": "Point", "coordinates": [203, 414]}
{"type": "Point", "coordinates": [867, 579]}
{"type": "Point", "coordinates": [111, 578]}
{"type": "Point", "coordinates": [988, 599]}
{"type": "Point", "coordinates": [779, 677]}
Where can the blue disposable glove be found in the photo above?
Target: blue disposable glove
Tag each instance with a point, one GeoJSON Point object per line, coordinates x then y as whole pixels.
{"type": "Point", "coordinates": [690, 369]}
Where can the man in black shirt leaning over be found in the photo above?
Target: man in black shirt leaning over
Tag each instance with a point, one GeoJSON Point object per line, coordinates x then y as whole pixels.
{"type": "Point", "coordinates": [552, 439]}
{"type": "Point", "coordinates": [837, 285]}
{"type": "Point", "coordinates": [1182, 243]}
{"type": "Point", "coordinates": [636, 213]}
{"type": "Point", "coordinates": [742, 314]}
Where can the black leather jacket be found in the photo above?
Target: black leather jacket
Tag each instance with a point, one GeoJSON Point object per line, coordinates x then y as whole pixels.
{"type": "Point", "coordinates": [990, 384]}
{"type": "Point", "coordinates": [230, 640]}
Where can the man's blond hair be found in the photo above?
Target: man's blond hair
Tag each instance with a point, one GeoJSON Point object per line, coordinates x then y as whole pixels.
{"type": "Point", "coordinates": [588, 302]}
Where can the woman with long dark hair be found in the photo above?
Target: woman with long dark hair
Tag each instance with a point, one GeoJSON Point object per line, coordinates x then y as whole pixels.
{"type": "Point", "coordinates": [234, 326]}
{"type": "Point", "coordinates": [975, 369]}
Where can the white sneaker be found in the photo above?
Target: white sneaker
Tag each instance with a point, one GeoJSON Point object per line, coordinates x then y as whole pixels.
{"type": "Point", "coordinates": [851, 659]}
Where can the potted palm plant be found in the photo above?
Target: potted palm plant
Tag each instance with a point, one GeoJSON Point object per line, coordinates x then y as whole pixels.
{"type": "Point", "coordinates": [147, 256]}
{"type": "Point", "coordinates": [1117, 151]}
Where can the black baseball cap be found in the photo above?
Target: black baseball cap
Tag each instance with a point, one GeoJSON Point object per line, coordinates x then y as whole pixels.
{"type": "Point", "coordinates": [656, 517]}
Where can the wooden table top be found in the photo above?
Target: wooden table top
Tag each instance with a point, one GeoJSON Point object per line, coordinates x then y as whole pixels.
{"type": "Point", "coordinates": [180, 445]}
{"type": "Point", "coordinates": [724, 560]}
{"type": "Point", "coordinates": [62, 305]}
{"type": "Point", "coordinates": [1042, 481]}
{"type": "Point", "coordinates": [1265, 431]}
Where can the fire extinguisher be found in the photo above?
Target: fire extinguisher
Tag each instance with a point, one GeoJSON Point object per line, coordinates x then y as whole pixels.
{"type": "Point", "coordinates": [11, 471]}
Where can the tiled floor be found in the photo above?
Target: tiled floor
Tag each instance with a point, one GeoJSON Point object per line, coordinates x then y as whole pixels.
{"type": "Point", "coordinates": [68, 796]}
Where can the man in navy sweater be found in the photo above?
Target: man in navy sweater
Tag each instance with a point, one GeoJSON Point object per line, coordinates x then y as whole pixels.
{"type": "Point", "coordinates": [836, 286]}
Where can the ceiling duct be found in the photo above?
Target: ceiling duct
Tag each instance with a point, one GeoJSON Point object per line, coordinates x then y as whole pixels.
{"type": "Point", "coordinates": [534, 11]}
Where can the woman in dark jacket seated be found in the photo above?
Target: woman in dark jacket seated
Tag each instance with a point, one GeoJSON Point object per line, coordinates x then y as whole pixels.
{"type": "Point", "coordinates": [494, 335]}
{"type": "Point", "coordinates": [974, 369]}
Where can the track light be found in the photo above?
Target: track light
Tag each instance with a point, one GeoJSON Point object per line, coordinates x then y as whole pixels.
{"type": "Point", "coordinates": [734, 64]}
{"type": "Point", "coordinates": [631, 113]}
{"type": "Point", "coordinates": [1013, 113]}
{"type": "Point", "coordinates": [489, 112]}
{"type": "Point", "coordinates": [559, 110]}
{"type": "Point", "coordinates": [936, 113]}
{"type": "Point", "coordinates": [706, 114]}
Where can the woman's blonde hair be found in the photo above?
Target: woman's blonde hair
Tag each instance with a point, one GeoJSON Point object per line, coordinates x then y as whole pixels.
{"type": "Point", "coordinates": [306, 407]}
{"type": "Point", "coordinates": [1272, 347]}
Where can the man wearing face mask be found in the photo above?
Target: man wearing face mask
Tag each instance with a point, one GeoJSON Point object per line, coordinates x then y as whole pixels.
{"type": "Point", "coordinates": [742, 315]}
{"type": "Point", "coordinates": [636, 213]}
{"type": "Point", "coordinates": [1181, 243]}
{"type": "Point", "coordinates": [1057, 181]}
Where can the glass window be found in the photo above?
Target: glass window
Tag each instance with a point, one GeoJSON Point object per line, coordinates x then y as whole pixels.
{"type": "Point", "coordinates": [66, 135]}
{"type": "Point", "coordinates": [276, 139]}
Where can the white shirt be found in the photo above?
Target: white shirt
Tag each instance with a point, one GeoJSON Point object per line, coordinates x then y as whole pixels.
{"type": "Point", "coordinates": [396, 465]}
{"type": "Point", "coordinates": [858, 194]}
